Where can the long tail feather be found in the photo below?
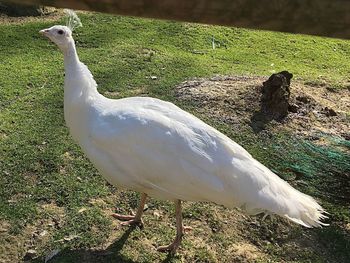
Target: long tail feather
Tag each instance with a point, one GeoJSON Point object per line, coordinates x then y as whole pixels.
{"type": "Point", "coordinates": [274, 195]}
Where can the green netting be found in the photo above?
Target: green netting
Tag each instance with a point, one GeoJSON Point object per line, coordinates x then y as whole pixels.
{"type": "Point", "coordinates": [322, 166]}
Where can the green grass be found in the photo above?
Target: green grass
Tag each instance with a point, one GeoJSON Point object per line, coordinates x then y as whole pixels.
{"type": "Point", "coordinates": [42, 167]}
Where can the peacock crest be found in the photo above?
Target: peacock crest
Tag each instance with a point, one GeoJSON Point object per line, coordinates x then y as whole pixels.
{"type": "Point", "coordinates": [72, 19]}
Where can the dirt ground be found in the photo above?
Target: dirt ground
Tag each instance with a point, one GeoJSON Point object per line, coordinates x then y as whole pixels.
{"type": "Point", "coordinates": [5, 19]}
{"type": "Point", "coordinates": [236, 101]}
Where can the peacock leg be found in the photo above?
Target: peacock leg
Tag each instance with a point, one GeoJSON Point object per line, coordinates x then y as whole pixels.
{"type": "Point", "coordinates": [133, 219]}
{"type": "Point", "coordinates": [179, 231]}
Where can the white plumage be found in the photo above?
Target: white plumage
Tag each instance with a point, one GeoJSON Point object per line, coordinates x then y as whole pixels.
{"type": "Point", "coordinates": [153, 147]}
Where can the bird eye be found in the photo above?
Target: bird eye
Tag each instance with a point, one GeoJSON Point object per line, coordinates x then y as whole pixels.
{"type": "Point", "coordinates": [60, 32]}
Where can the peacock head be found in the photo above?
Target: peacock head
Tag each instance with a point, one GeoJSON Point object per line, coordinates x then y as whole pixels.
{"type": "Point", "coordinates": [60, 35]}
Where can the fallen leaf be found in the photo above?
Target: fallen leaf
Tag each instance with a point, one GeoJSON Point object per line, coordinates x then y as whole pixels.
{"type": "Point", "coordinates": [82, 210]}
{"type": "Point", "coordinates": [44, 233]}
{"type": "Point", "coordinates": [71, 237]}
{"type": "Point", "coordinates": [157, 214]}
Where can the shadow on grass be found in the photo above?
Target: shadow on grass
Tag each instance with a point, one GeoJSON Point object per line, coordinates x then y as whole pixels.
{"type": "Point", "coordinates": [336, 240]}
{"type": "Point", "coordinates": [259, 121]}
{"type": "Point", "coordinates": [110, 254]}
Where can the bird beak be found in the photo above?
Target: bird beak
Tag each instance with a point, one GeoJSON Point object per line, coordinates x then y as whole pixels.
{"type": "Point", "coordinates": [44, 32]}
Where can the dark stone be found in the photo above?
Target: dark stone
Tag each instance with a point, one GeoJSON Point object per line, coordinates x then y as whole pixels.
{"type": "Point", "coordinates": [329, 112]}
{"type": "Point", "coordinates": [274, 103]}
{"type": "Point", "coordinates": [293, 108]}
{"type": "Point", "coordinates": [30, 254]}
{"type": "Point", "coordinates": [346, 136]}
{"type": "Point", "coordinates": [331, 89]}
{"type": "Point", "coordinates": [303, 99]}
{"type": "Point", "coordinates": [276, 94]}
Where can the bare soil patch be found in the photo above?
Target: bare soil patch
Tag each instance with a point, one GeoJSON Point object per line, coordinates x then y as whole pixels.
{"type": "Point", "coordinates": [236, 101]}
{"type": "Point", "coordinates": [32, 238]}
{"type": "Point", "coordinates": [6, 20]}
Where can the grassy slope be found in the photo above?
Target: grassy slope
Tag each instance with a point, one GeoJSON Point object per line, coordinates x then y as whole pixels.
{"type": "Point", "coordinates": [43, 173]}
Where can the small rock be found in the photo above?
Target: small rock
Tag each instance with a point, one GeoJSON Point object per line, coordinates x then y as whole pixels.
{"type": "Point", "coordinates": [346, 136]}
{"type": "Point", "coordinates": [31, 253]}
{"type": "Point", "coordinates": [154, 77]}
{"type": "Point", "coordinates": [303, 99]}
{"type": "Point", "coordinates": [293, 108]}
{"type": "Point", "coordinates": [329, 112]}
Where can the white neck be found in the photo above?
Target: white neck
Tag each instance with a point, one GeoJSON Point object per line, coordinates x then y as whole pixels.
{"type": "Point", "coordinates": [71, 59]}
{"type": "Point", "coordinates": [80, 93]}
{"type": "Point", "coordinates": [78, 79]}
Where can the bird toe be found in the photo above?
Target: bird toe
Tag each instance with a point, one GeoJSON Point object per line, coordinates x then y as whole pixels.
{"type": "Point", "coordinates": [123, 217]}
{"type": "Point", "coordinates": [133, 222]}
{"type": "Point", "coordinates": [172, 248]}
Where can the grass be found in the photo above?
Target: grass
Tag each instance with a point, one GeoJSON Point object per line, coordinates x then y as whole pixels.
{"type": "Point", "coordinates": [48, 185]}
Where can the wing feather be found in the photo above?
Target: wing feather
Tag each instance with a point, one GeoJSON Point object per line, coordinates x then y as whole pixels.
{"type": "Point", "coordinates": [166, 149]}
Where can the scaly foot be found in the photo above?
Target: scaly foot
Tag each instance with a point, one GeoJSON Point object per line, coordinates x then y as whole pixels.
{"type": "Point", "coordinates": [176, 243]}
{"type": "Point", "coordinates": [130, 220]}
{"type": "Point", "coordinates": [170, 248]}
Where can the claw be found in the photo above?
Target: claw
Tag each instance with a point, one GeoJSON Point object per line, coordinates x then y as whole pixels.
{"type": "Point", "coordinates": [130, 220]}
{"type": "Point", "coordinates": [123, 217]}
{"type": "Point", "coordinates": [170, 248]}
{"type": "Point", "coordinates": [133, 222]}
